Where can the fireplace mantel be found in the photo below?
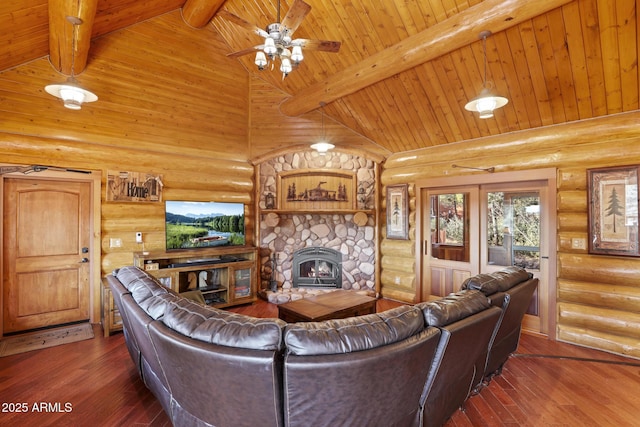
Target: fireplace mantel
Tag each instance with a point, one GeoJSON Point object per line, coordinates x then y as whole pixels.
{"type": "Point", "coordinates": [317, 211]}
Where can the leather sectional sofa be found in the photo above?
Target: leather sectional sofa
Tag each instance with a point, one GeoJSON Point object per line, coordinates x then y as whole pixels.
{"type": "Point", "coordinates": [408, 366]}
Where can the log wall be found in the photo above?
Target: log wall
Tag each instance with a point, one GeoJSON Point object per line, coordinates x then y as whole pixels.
{"type": "Point", "coordinates": [598, 297]}
{"type": "Point", "coordinates": [205, 176]}
{"type": "Point", "coordinates": [185, 177]}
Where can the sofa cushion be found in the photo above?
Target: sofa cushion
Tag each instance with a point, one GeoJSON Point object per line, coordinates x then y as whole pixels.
{"type": "Point", "coordinates": [354, 333]}
{"type": "Point", "coordinates": [156, 305]}
{"type": "Point", "coordinates": [128, 274]}
{"type": "Point", "coordinates": [453, 307]}
{"type": "Point", "coordinates": [141, 284]}
{"type": "Point", "coordinates": [220, 327]}
{"type": "Point", "coordinates": [499, 281]}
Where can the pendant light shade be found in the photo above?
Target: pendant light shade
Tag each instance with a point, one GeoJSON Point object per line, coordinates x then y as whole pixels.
{"type": "Point", "coordinates": [70, 92]}
{"type": "Point", "coordinates": [485, 103]}
{"type": "Point", "coordinates": [285, 66]}
{"type": "Point", "coordinates": [261, 60]}
{"type": "Point", "coordinates": [270, 46]}
{"type": "Point", "coordinates": [296, 54]}
{"type": "Point", "coordinates": [322, 147]}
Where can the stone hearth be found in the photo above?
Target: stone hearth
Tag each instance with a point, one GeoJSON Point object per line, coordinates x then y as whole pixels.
{"type": "Point", "coordinates": [285, 295]}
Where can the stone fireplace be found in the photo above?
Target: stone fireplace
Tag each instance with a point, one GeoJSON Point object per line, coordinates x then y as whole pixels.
{"type": "Point", "coordinates": [350, 234]}
{"type": "Point", "coordinates": [317, 267]}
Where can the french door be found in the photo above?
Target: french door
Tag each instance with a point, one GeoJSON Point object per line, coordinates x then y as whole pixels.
{"type": "Point", "coordinates": [483, 228]}
{"type": "Point", "coordinates": [450, 242]}
{"type": "Point", "coordinates": [513, 231]}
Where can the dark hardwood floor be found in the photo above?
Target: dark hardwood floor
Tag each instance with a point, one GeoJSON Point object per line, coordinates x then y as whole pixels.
{"type": "Point", "coordinates": [94, 383]}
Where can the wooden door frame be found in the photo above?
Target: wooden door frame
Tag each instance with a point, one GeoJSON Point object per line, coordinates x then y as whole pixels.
{"type": "Point", "coordinates": [545, 174]}
{"type": "Point", "coordinates": [95, 248]}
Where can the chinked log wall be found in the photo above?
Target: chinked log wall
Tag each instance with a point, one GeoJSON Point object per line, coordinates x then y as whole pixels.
{"type": "Point", "coordinates": [598, 296]}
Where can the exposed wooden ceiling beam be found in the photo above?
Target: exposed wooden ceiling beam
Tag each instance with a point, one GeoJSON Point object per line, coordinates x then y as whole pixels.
{"type": "Point", "coordinates": [198, 13]}
{"type": "Point", "coordinates": [61, 34]}
{"type": "Point", "coordinates": [460, 30]}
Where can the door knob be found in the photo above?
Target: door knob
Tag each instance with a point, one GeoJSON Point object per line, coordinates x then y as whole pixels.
{"type": "Point", "coordinates": [84, 260]}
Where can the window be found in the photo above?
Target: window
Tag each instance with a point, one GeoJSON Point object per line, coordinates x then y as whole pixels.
{"type": "Point", "coordinates": [513, 229]}
{"type": "Point", "coordinates": [449, 231]}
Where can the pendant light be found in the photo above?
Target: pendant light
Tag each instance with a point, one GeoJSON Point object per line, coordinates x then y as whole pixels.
{"type": "Point", "coordinates": [71, 93]}
{"type": "Point", "coordinates": [322, 147]}
{"type": "Point", "coordinates": [486, 102]}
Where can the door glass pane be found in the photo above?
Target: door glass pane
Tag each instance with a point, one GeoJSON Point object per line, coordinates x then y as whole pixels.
{"type": "Point", "coordinates": [449, 234]}
{"type": "Point", "coordinates": [513, 229]}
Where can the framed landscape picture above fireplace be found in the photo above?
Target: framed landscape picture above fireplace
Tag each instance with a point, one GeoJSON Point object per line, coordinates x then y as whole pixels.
{"type": "Point", "coordinates": [312, 190]}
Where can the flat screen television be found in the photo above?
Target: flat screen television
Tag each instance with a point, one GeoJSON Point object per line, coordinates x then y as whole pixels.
{"type": "Point", "coordinates": [193, 225]}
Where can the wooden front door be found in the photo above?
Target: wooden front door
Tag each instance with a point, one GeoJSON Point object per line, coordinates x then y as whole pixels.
{"type": "Point", "coordinates": [46, 236]}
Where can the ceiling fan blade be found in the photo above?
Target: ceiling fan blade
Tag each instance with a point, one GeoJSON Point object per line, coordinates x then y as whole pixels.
{"type": "Point", "coordinates": [242, 23]}
{"type": "Point", "coordinates": [295, 15]}
{"type": "Point", "coordinates": [244, 52]}
{"type": "Point", "coordinates": [321, 45]}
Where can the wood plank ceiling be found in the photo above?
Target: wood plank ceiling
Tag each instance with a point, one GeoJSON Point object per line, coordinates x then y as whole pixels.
{"type": "Point", "coordinates": [404, 72]}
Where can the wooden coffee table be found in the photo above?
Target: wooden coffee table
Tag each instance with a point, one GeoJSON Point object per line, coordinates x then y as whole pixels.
{"type": "Point", "coordinates": [332, 305]}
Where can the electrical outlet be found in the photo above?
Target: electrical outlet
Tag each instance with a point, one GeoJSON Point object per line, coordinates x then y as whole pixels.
{"type": "Point", "coordinates": [577, 243]}
{"type": "Point", "coordinates": [138, 237]}
{"type": "Point", "coordinates": [115, 243]}
{"type": "Point", "coordinates": [397, 280]}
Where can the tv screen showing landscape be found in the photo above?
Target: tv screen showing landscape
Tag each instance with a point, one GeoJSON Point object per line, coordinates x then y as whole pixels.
{"type": "Point", "coordinates": [191, 225]}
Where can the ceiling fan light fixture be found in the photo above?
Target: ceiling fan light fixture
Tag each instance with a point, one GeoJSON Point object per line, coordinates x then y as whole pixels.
{"type": "Point", "coordinates": [286, 37]}
{"type": "Point", "coordinates": [278, 42]}
{"type": "Point", "coordinates": [270, 46]}
{"type": "Point", "coordinates": [285, 66]}
{"type": "Point", "coordinates": [261, 60]}
{"type": "Point", "coordinates": [296, 54]}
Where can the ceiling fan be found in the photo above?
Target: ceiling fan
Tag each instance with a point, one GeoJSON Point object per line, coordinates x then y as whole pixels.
{"type": "Point", "coordinates": [278, 39]}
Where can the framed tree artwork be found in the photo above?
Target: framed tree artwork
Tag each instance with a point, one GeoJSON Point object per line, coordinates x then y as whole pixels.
{"type": "Point", "coordinates": [397, 212]}
{"type": "Point", "coordinates": [613, 210]}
